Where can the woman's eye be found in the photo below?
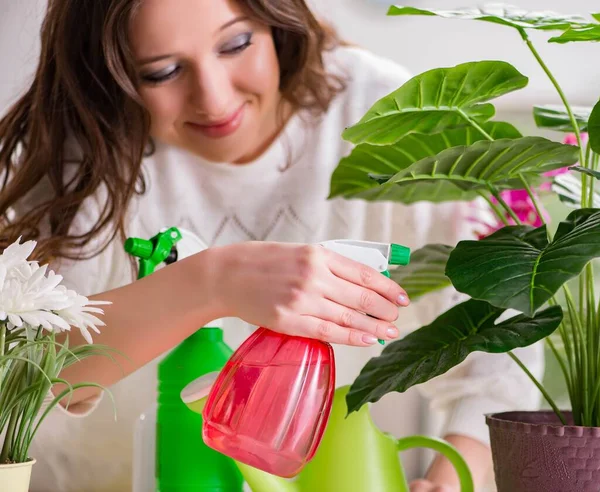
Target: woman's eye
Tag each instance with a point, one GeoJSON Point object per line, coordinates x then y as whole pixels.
{"type": "Point", "coordinates": [237, 44]}
{"type": "Point", "coordinates": [162, 75]}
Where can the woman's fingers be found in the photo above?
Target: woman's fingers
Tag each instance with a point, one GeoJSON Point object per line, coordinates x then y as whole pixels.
{"type": "Point", "coordinates": [350, 319]}
{"type": "Point", "coordinates": [367, 277]}
{"type": "Point", "coordinates": [361, 299]}
{"type": "Point", "coordinates": [328, 331]}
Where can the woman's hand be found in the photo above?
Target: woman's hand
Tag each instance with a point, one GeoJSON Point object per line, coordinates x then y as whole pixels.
{"type": "Point", "coordinates": [307, 291]}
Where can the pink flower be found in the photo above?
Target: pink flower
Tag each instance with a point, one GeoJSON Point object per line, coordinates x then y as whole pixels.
{"type": "Point", "coordinates": [520, 203]}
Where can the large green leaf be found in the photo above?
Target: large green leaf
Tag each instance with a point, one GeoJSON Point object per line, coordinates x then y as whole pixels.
{"type": "Point", "coordinates": [499, 162]}
{"type": "Point", "coordinates": [594, 128]}
{"type": "Point", "coordinates": [517, 268]}
{"type": "Point", "coordinates": [445, 343]}
{"type": "Point", "coordinates": [437, 100]}
{"type": "Point", "coordinates": [500, 14]}
{"type": "Point", "coordinates": [590, 32]}
{"type": "Point", "coordinates": [556, 117]}
{"type": "Point", "coordinates": [426, 271]}
{"type": "Point", "coordinates": [351, 177]}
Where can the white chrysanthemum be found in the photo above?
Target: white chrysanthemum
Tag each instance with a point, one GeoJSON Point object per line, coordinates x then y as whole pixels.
{"type": "Point", "coordinates": [32, 295]}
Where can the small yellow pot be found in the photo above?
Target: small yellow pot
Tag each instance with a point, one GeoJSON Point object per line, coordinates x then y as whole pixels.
{"type": "Point", "coordinates": [16, 477]}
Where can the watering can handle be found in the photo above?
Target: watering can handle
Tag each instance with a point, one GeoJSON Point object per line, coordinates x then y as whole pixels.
{"type": "Point", "coordinates": [443, 447]}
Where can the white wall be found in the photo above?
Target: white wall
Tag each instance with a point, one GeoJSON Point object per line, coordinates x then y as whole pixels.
{"type": "Point", "coordinates": [422, 43]}
{"type": "Point", "coordinates": [19, 30]}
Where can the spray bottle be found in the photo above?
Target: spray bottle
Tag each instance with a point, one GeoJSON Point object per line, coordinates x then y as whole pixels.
{"type": "Point", "coordinates": [269, 406]}
{"type": "Point", "coordinates": [167, 455]}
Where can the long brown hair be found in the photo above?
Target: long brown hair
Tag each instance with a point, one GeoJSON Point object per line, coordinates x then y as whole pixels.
{"type": "Point", "coordinates": [84, 91]}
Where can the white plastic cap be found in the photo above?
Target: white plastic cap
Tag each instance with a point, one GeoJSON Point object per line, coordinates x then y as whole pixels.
{"type": "Point", "coordinates": [199, 388]}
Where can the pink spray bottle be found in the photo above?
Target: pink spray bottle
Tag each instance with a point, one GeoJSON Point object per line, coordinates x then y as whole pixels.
{"type": "Point", "coordinates": [269, 405]}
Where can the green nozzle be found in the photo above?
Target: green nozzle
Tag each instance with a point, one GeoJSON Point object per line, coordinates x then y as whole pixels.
{"type": "Point", "coordinates": [154, 251]}
{"type": "Point", "coordinates": [399, 255]}
{"type": "Point", "coordinates": [141, 248]}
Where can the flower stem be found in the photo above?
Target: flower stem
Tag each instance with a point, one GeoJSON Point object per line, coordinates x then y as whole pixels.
{"type": "Point", "coordinates": [540, 387]}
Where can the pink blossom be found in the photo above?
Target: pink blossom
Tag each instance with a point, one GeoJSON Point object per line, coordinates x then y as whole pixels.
{"type": "Point", "coordinates": [520, 203]}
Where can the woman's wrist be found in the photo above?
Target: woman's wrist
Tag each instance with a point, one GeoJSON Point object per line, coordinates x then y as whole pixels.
{"type": "Point", "coordinates": [205, 282]}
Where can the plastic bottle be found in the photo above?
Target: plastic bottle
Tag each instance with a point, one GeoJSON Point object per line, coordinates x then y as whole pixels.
{"type": "Point", "coordinates": [183, 461]}
{"type": "Point", "coordinates": [168, 455]}
{"type": "Point", "coordinates": [269, 406]}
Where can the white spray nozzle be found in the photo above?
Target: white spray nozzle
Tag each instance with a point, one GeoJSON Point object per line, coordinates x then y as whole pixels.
{"type": "Point", "coordinates": [376, 255]}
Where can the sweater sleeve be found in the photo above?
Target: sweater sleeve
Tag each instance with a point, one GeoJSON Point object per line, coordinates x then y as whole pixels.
{"type": "Point", "coordinates": [484, 383]}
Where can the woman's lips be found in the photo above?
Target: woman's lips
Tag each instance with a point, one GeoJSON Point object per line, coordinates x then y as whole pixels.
{"type": "Point", "coordinates": [222, 128]}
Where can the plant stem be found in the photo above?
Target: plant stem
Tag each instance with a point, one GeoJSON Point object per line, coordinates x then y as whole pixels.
{"type": "Point", "coordinates": [2, 338]}
{"type": "Point", "coordinates": [536, 205]}
{"type": "Point", "coordinates": [572, 118]}
{"type": "Point", "coordinates": [505, 206]}
{"type": "Point", "coordinates": [497, 210]}
{"type": "Point", "coordinates": [2, 351]}
{"type": "Point", "coordinates": [8, 438]}
{"type": "Point", "coordinates": [588, 150]}
{"type": "Point", "coordinates": [558, 89]}
{"type": "Point", "coordinates": [475, 125]}
{"type": "Point", "coordinates": [582, 356]}
{"type": "Point", "coordinates": [561, 363]}
{"type": "Point", "coordinates": [540, 387]}
{"type": "Point", "coordinates": [533, 199]}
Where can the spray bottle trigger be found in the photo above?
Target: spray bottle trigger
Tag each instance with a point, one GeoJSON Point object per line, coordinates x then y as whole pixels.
{"type": "Point", "coordinates": [387, 274]}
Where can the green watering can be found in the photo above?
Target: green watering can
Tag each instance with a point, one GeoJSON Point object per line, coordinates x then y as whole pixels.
{"type": "Point", "coordinates": [354, 456]}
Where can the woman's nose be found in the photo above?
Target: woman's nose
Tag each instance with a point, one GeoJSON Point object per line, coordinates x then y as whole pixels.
{"type": "Point", "coordinates": [212, 93]}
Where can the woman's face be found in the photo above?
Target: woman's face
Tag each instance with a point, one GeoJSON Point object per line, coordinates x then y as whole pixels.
{"type": "Point", "coordinates": [208, 75]}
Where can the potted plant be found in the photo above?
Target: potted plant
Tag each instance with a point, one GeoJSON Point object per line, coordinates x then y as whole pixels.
{"type": "Point", "coordinates": [435, 139]}
{"type": "Point", "coordinates": [34, 308]}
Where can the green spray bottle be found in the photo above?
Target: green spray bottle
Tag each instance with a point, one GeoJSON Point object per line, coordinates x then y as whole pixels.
{"type": "Point", "coordinates": [169, 456]}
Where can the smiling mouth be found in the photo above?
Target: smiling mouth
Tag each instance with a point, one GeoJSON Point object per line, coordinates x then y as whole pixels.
{"type": "Point", "coordinates": [222, 128]}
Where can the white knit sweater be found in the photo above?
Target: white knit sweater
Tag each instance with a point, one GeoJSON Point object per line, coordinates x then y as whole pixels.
{"type": "Point", "coordinates": [282, 196]}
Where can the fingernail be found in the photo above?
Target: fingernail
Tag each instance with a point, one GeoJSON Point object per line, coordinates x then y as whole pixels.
{"type": "Point", "coordinates": [370, 339]}
{"type": "Point", "coordinates": [402, 300]}
{"type": "Point", "coordinates": [392, 332]}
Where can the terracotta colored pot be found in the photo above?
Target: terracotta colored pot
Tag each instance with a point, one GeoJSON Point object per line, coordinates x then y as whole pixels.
{"type": "Point", "coordinates": [534, 452]}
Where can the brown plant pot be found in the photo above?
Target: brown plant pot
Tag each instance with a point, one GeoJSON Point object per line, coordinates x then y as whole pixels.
{"type": "Point", "coordinates": [534, 452]}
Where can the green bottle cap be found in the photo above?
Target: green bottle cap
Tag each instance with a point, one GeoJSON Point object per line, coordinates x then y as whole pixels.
{"type": "Point", "coordinates": [399, 255]}
{"type": "Point", "coordinates": [141, 248]}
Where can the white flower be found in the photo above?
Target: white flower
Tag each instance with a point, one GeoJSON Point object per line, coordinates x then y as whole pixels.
{"type": "Point", "coordinates": [79, 313]}
{"type": "Point", "coordinates": [32, 295]}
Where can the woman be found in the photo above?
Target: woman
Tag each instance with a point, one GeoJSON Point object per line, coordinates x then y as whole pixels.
{"type": "Point", "coordinates": [223, 117]}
